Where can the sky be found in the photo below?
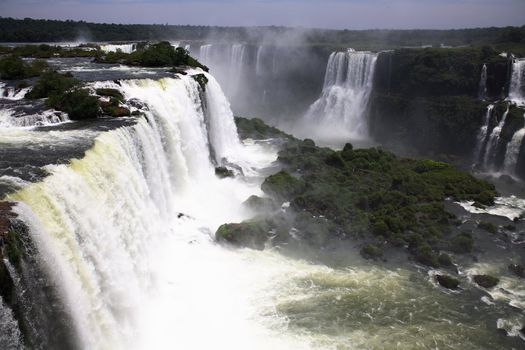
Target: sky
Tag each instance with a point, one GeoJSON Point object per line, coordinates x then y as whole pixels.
{"type": "Point", "coordinates": [337, 14]}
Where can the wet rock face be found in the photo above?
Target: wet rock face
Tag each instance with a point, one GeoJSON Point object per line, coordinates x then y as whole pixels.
{"type": "Point", "coordinates": [517, 270]}
{"type": "Point", "coordinates": [447, 281]}
{"type": "Point", "coordinates": [486, 281]}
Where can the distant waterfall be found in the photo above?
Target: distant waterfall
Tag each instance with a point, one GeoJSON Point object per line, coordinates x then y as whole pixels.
{"type": "Point", "coordinates": [125, 48]}
{"type": "Point", "coordinates": [517, 82]}
{"type": "Point", "coordinates": [482, 91]}
{"type": "Point", "coordinates": [226, 63]}
{"type": "Point", "coordinates": [342, 107]}
{"type": "Point", "coordinates": [205, 54]}
{"type": "Point", "coordinates": [493, 140]}
{"type": "Point", "coordinates": [481, 139]}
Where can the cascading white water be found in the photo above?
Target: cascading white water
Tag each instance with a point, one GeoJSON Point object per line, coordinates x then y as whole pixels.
{"type": "Point", "coordinates": [481, 138]}
{"type": "Point", "coordinates": [10, 337]}
{"type": "Point", "coordinates": [11, 93]}
{"type": "Point", "coordinates": [482, 91]}
{"type": "Point", "coordinates": [226, 62]}
{"type": "Point", "coordinates": [238, 53]}
{"type": "Point", "coordinates": [517, 82]}
{"type": "Point", "coordinates": [493, 140]}
{"type": "Point", "coordinates": [341, 110]}
{"type": "Point", "coordinates": [49, 117]}
{"type": "Point", "coordinates": [513, 151]}
{"type": "Point", "coordinates": [205, 54]}
{"type": "Point", "coordinates": [259, 61]}
{"type": "Point", "coordinates": [125, 48]}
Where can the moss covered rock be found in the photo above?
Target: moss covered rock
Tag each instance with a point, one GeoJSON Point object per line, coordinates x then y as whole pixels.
{"type": "Point", "coordinates": [371, 251]}
{"type": "Point", "coordinates": [246, 234]}
{"type": "Point", "coordinates": [448, 282]}
{"type": "Point", "coordinates": [486, 281]}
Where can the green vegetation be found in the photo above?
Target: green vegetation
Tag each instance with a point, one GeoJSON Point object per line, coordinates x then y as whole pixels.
{"type": "Point", "coordinates": [77, 103]}
{"type": "Point", "coordinates": [247, 234]}
{"type": "Point", "coordinates": [64, 93]}
{"type": "Point", "coordinates": [201, 80]}
{"type": "Point", "coordinates": [52, 83]}
{"type": "Point", "coordinates": [49, 51]}
{"type": "Point", "coordinates": [373, 195]}
{"type": "Point", "coordinates": [162, 54]}
{"type": "Point", "coordinates": [257, 129]}
{"type": "Point", "coordinates": [371, 251]}
{"type": "Point", "coordinates": [486, 281]}
{"type": "Point", "coordinates": [14, 68]}
{"type": "Point", "coordinates": [447, 281]}
{"type": "Point", "coordinates": [31, 30]}
{"type": "Point", "coordinates": [488, 226]}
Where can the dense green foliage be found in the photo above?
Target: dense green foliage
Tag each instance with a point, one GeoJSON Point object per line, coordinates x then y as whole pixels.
{"type": "Point", "coordinates": [48, 51]}
{"type": "Point", "coordinates": [486, 281]}
{"type": "Point", "coordinates": [51, 83]}
{"type": "Point", "coordinates": [50, 30]}
{"type": "Point", "coordinates": [64, 93]}
{"type": "Point", "coordinates": [14, 68]}
{"type": "Point", "coordinates": [77, 103]}
{"type": "Point", "coordinates": [257, 129]}
{"type": "Point", "coordinates": [371, 194]}
{"type": "Point", "coordinates": [440, 72]}
{"type": "Point", "coordinates": [430, 125]}
{"type": "Point", "coordinates": [162, 54]}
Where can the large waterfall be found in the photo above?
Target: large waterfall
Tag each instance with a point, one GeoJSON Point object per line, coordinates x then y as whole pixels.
{"type": "Point", "coordinates": [342, 108]}
{"type": "Point", "coordinates": [226, 61]}
{"type": "Point", "coordinates": [126, 232]}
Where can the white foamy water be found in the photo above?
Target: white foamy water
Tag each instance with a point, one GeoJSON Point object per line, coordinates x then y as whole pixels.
{"type": "Point", "coordinates": [125, 48]}
{"type": "Point", "coordinates": [9, 119]}
{"type": "Point", "coordinates": [11, 93]}
{"type": "Point", "coordinates": [510, 207]}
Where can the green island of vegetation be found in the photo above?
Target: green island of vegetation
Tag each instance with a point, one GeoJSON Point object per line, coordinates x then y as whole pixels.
{"type": "Point", "coordinates": [369, 195]}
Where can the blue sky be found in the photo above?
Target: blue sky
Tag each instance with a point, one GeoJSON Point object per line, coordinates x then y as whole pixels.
{"type": "Point", "coordinates": [351, 14]}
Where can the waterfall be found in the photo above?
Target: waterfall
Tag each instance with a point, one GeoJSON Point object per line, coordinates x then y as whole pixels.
{"type": "Point", "coordinates": [205, 54]}
{"type": "Point", "coordinates": [10, 119]}
{"type": "Point", "coordinates": [517, 82]}
{"type": "Point", "coordinates": [238, 53]}
{"type": "Point", "coordinates": [11, 93]}
{"type": "Point", "coordinates": [513, 151]}
{"type": "Point", "coordinates": [125, 48]}
{"type": "Point", "coordinates": [482, 91]}
{"type": "Point", "coordinates": [119, 228]}
{"type": "Point", "coordinates": [10, 337]}
{"type": "Point", "coordinates": [493, 140]}
{"type": "Point", "coordinates": [481, 139]}
{"type": "Point", "coordinates": [259, 61]}
{"type": "Point", "coordinates": [343, 104]}
{"type": "Point", "coordinates": [226, 62]}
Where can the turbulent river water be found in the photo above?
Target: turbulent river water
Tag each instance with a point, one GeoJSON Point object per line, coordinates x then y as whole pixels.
{"type": "Point", "coordinates": [124, 233]}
